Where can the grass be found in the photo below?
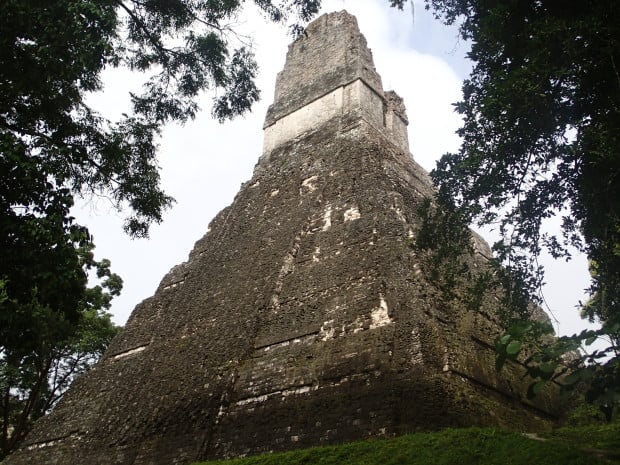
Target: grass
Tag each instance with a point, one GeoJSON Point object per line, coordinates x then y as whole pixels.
{"type": "Point", "coordinates": [590, 445]}
{"type": "Point", "coordinates": [596, 439]}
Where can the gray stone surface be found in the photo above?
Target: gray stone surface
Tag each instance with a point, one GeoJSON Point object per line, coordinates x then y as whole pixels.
{"type": "Point", "coordinates": [303, 316]}
{"type": "Point", "coordinates": [330, 54]}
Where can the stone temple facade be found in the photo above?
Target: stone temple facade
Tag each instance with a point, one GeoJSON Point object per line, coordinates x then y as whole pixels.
{"type": "Point", "coordinates": [303, 316]}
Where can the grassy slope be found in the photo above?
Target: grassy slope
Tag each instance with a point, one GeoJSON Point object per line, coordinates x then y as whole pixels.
{"type": "Point", "coordinates": [568, 446]}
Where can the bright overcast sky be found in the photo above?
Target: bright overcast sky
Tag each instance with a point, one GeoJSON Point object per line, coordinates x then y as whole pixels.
{"type": "Point", "coordinates": [203, 163]}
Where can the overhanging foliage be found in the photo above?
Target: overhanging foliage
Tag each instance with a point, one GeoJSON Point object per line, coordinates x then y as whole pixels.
{"type": "Point", "coordinates": [541, 129]}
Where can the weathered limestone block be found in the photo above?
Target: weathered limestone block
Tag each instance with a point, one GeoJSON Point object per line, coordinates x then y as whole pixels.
{"type": "Point", "coordinates": [329, 74]}
{"type": "Point", "coordinates": [330, 54]}
{"type": "Point", "coordinates": [303, 316]}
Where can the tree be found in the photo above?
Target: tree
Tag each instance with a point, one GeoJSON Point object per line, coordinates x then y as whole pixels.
{"type": "Point", "coordinates": [35, 373]}
{"type": "Point", "coordinates": [541, 136]}
{"type": "Point", "coordinates": [54, 148]}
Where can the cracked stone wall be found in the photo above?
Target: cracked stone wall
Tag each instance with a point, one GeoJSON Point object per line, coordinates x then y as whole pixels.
{"type": "Point", "coordinates": [303, 316]}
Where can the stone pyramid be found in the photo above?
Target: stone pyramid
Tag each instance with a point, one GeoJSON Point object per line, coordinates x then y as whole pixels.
{"type": "Point", "coordinates": [303, 316]}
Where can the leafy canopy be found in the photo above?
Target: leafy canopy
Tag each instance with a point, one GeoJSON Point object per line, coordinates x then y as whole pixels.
{"type": "Point", "coordinates": [54, 147]}
{"type": "Point", "coordinates": [541, 136]}
{"type": "Point", "coordinates": [35, 375]}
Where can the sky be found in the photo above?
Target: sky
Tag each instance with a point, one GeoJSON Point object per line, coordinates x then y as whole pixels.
{"type": "Point", "coordinates": [203, 163]}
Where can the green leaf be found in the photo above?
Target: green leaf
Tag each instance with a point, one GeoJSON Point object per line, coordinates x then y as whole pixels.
{"type": "Point", "coordinates": [589, 341]}
{"type": "Point", "coordinates": [548, 367]}
{"type": "Point", "coordinates": [573, 378]}
{"type": "Point", "coordinates": [513, 347]}
{"type": "Point", "coordinates": [535, 388]}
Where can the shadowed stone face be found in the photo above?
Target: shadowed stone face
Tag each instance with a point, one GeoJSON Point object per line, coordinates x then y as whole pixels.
{"type": "Point", "coordinates": [303, 316]}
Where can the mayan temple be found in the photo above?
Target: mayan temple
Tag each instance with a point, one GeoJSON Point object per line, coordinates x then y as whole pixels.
{"type": "Point", "coordinates": [303, 316]}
